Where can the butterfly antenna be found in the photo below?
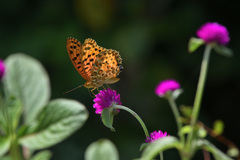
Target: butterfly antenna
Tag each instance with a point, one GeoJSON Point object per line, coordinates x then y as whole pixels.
{"type": "Point", "coordinates": [73, 89]}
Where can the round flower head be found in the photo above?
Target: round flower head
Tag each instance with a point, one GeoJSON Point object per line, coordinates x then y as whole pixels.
{"type": "Point", "coordinates": [213, 32]}
{"type": "Point", "coordinates": [105, 99]}
{"type": "Point", "coordinates": [2, 69]}
{"type": "Point", "coordinates": [167, 85]}
{"type": "Point", "coordinates": [155, 136]}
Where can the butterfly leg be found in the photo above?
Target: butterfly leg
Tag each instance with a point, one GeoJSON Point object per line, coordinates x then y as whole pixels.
{"type": "Point", "coordinates": [103, 87]}
{"type": "Point", "coordinates": [93, 90]}
{"type": "Point", "coordinates": [98, 90]}
{"type": "Point", "coordinates": [90, 93]}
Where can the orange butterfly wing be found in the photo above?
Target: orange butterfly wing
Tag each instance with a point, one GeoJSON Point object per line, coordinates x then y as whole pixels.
{"type": "Point", "coordinates": [83, 56]}
{"type": "Point", "coordinates": [74, 48]}
{"type": "Point", "coordinates": [107, 66]}
{"type": "Point", "coordinates": [90, 50]}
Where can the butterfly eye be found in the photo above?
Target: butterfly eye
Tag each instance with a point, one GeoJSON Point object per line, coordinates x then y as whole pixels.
{"type": "Point", "coordinates": [121, 68]}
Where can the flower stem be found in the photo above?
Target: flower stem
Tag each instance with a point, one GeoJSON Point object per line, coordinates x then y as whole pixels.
{"type": "Point", "coordinates": [135, 115]}
{"type": "Point", "coordinates": [161, 155]}
{"type": "Point", "coordinates": [14, 150]}
{"type": "Point", "coordinates": [199, 93]}
{"type": "Point", "coordinates": [177, 117]}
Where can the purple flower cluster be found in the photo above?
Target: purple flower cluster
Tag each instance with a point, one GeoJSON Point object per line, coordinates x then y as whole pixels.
{"type": "Point", "coordinates": [213, 32]}
{"type": "Point", "coordinates": [155, 136]}
{"type": "Point", "coordinates": [105, 99]}
{"type": "Point", "coordinates": [2, 69]}
{"type": "Point", "coordinates": [167, 85]}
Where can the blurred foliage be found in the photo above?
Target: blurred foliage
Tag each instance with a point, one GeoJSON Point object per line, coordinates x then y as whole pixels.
{"type": "Point", "coordinates": [152, 38]}
{"type": "Point", "coordinates": [27, 117]}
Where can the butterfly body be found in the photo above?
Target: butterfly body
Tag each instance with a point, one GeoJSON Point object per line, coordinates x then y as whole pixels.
{"type": "Point", "coordinates": [97, 65]}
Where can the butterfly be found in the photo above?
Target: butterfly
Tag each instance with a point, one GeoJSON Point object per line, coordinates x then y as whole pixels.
{"type": "Point", "coordinates": [97, 65]}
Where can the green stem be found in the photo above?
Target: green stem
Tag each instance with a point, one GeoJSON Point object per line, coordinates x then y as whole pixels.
{"type": "Point", "coordinates": [177, 117]}
{"type": "Point", "coordinates": [161, 155]}
{"type": "Point", "coordinates": [135, 115]}
{"type": "Point", "coordinates": [199, 93]}
{"type": "Point", "coordinates": [14, 150]}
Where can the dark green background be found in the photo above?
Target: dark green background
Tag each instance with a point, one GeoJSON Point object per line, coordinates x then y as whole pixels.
{"type": "Point", "coordinates": [152, 38]}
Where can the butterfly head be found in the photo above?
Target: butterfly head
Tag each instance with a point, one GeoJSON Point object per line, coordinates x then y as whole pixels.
{"type": "Point", "coordinates": [121, 68]}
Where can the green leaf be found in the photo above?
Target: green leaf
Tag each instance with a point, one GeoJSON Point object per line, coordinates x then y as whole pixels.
{"type": "Point", "coordinates": [15, 110]}
{"type": "Point", "coordinates": [59, 119]}
{"type": "Point", "coordinates": [107, 117]}
{"type": "Point", "coordinates": [27, 80]}
{"type": "Point", "coordinates": [3, 120]}
{"type": "Point", "coordinates": [218, 127]}
{"type": "Point", "coordinates": [206, 145]}
{"type": "Point", "coordinates": [102, 149]}
{"type": "Point", "coordinates": [27, 129]}
{"type": "Point", "coordinates": [43, 155]}
{"type": "Point", "coordinates": [194, 44]}
{"type": "Point", "coordinates": [176, 93]}
{"type": "Point", "coordinates": [185, 129]}
{"type": "Point", "coordinates": [143, 145]}
{"type": "Point", "coordinates": [4, 145]}
{"type": "Point", "coordinates": [6, 158]}
{"type": "Point", "coordinates": [222, 50]}
{"type": "Point", "coordinates": [153, 149]}
{"type": "Point", "coordinates": [10, 114]}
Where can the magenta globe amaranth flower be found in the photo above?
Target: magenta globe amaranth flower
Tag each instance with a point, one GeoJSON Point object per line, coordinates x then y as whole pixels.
{"type": "Point", "coordinates": [213, 32]}
{"type": "Point", "coordinates": [105, 99]}
{"type": "Point", "coordinates": [167, 85]}
{"type": "Point", "coordinates": [2, 69]}
{"type": "Point", "coordinates": [155, 136]}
